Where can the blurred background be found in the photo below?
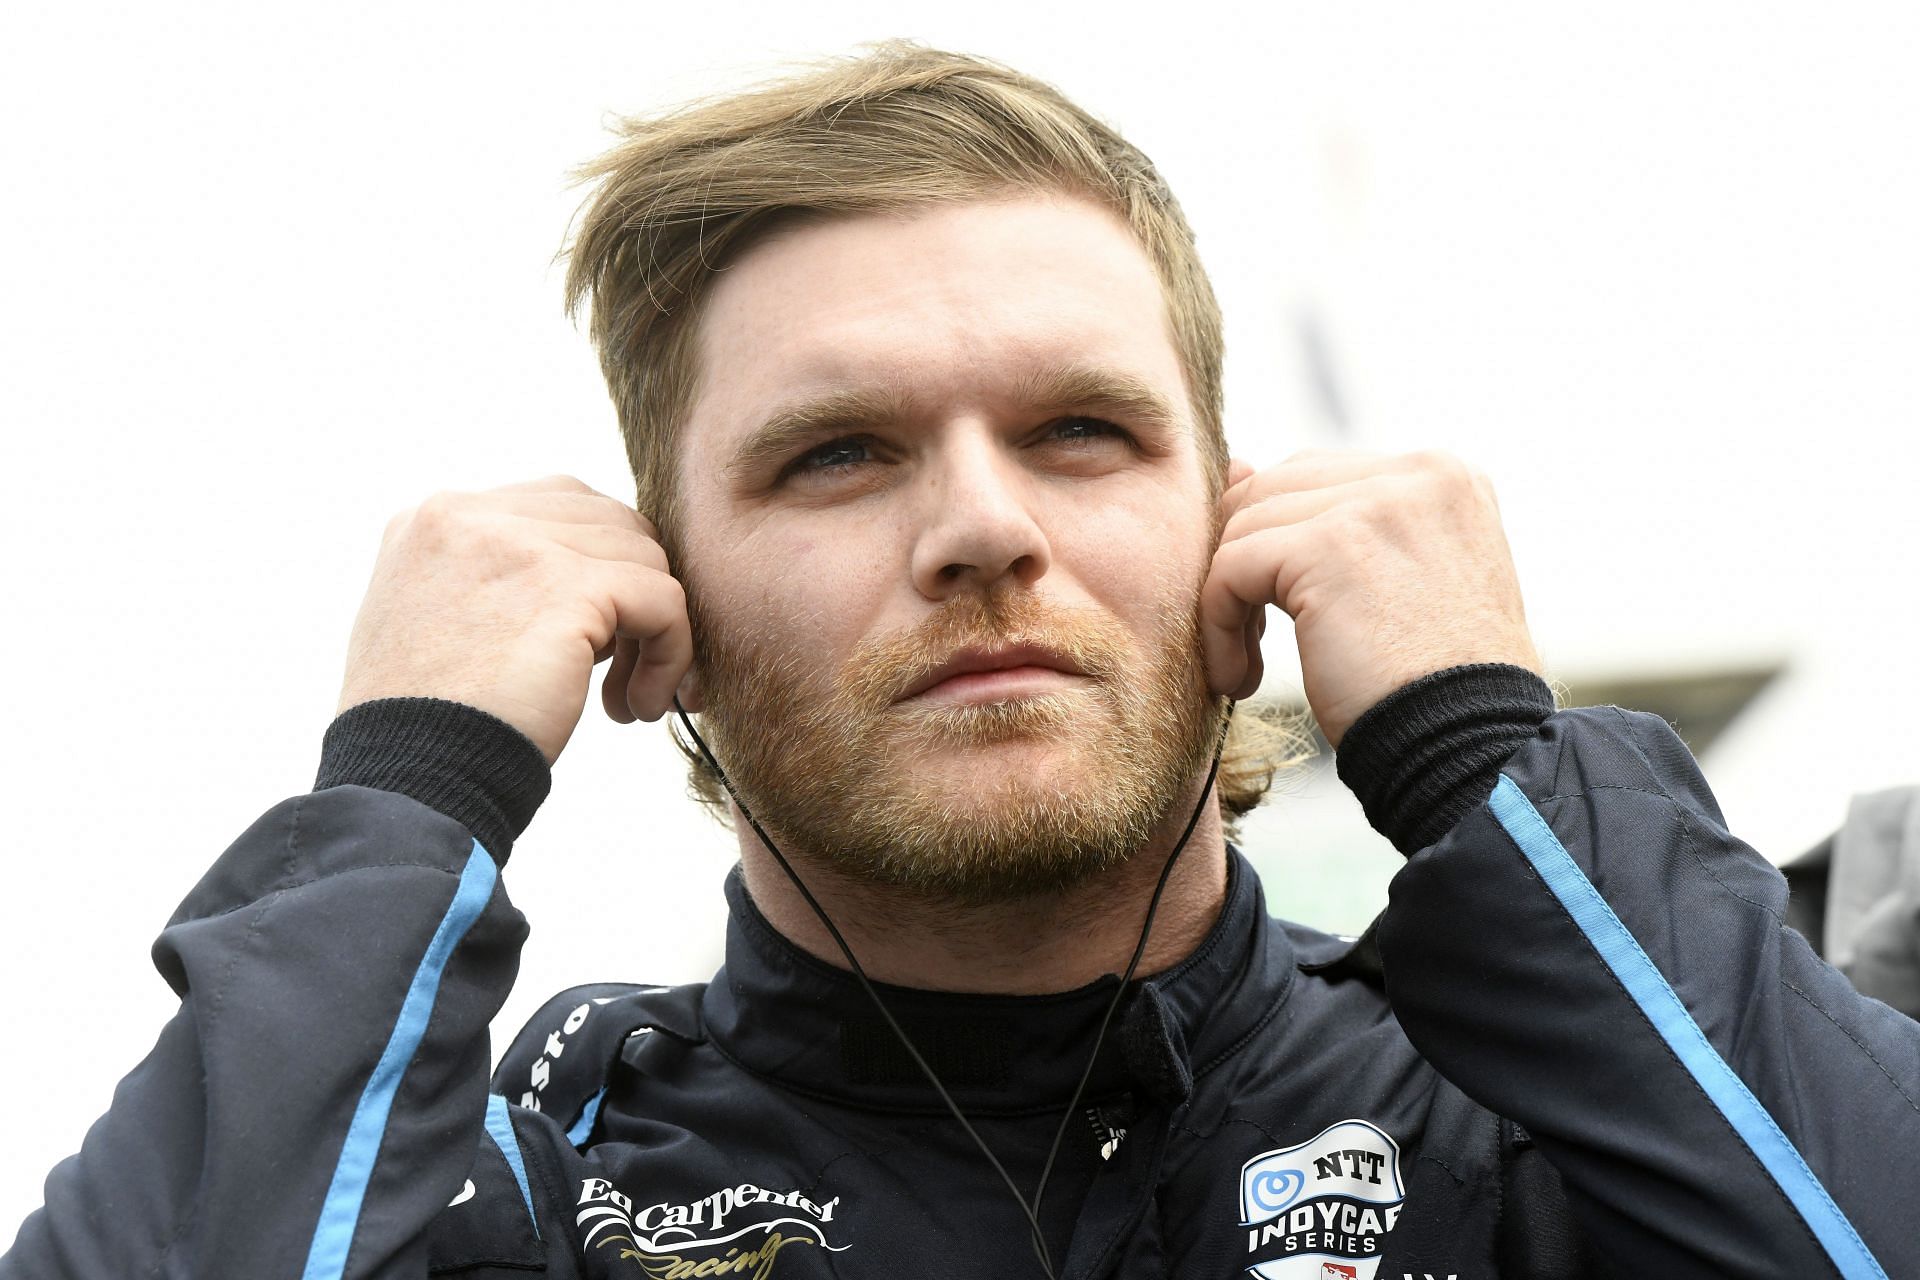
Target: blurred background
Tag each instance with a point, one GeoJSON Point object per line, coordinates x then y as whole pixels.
{"type": "Point", "coordinates": [272, 274]}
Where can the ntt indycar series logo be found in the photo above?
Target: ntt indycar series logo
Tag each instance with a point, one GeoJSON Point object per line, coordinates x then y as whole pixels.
{"type": "Point", "coordinates": [735, 1231]}
{"type": "Point", "coordinates": [1322, 1210]}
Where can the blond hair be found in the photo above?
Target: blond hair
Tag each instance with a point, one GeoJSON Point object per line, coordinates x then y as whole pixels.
{"type": "Point", "coordinates": [683, 193]}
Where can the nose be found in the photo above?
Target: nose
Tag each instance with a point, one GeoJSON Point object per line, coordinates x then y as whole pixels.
{"type": "Point", "coordinates": [978, 522]}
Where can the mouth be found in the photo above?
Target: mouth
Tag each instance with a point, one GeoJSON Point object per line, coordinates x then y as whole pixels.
{"type": "Point", "coordinates": [995, 675]}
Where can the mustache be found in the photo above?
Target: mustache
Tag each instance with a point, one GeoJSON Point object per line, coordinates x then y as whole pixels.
{"type": "Point", "coordinates": [883, 668]}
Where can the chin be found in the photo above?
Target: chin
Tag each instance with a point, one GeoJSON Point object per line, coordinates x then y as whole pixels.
{"type": "Point", "coordinates": [1008, 771]}
{"type": "Point", "coordinates": [1032, 745]}
{"type": "Point", "coordinates": [997, 824]}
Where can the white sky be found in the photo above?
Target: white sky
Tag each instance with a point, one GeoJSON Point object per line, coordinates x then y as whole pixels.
{"type": "Point", "coordinates": [271, 277]}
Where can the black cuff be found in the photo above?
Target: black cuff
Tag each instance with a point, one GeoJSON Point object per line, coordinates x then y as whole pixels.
{"type": "Point", "coordinates": [1429, 753]}
{"type": "Point", "coordinates": [474, 767]}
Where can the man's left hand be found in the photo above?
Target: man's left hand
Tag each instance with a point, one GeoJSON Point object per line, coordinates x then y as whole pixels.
{"type": "Point", "coordinates": [1391, 567]}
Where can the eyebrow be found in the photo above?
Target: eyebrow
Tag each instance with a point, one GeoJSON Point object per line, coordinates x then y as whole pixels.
{"type": "Point", "coordinates": [845, 411]}
{"type": "Point", "coordinates": [854, 410]}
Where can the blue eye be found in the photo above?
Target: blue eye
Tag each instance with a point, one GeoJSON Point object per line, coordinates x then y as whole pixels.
{"type": "Point", "coordinates": [1081, 428]}
{"type": "Point", "coordinates": [832, 456]}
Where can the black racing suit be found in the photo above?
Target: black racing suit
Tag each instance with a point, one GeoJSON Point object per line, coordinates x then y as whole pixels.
{"type": "Point", "coordinates": [1579, 1041]}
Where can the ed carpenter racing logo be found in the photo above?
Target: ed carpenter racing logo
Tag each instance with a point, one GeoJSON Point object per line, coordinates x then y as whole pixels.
{"type": "Point", "coordinates": [1322, 1210]}
{"type": "Point", "coordinates": [734, 1231]}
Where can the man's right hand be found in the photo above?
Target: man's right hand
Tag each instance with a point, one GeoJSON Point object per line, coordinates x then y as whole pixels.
{"type": "Point", "coordinates": [505, 600]}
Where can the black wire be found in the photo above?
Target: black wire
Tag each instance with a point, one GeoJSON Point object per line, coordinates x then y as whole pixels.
{"type": "Point", "coordinates": [1031, 1211]}
{"type": "Point", "coordinates": [860, 973]}
{"type": "Point", "coordinates": [1139, 950]}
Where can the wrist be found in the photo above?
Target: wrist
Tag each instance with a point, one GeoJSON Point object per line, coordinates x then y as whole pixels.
{"type": "Point", "coordinates": [1430, 752]}
{"type": "Point", "coordinates": [466, 763]}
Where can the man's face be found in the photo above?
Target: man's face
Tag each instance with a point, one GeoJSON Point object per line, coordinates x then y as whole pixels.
{"type": "Point", "coordinates": [943, 526]}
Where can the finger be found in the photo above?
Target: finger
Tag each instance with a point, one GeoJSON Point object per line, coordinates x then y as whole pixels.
{"type": "Point", "coordinates": [1233, 659]}
{"type": "Point", "coordinates": [657, 675]}
{"type": "Point", "coordinates": [1313, 469]}
{"type": "Point", "coordinates": [651, 609]}
{"type": "Point", "coordinates": [1252, 572]}
{"type": "Point", "coordinates": [604, 542]}
{"type": "Point", "coordinates": [555, 483]}
{"type": "Point", "coordinates": [1238, 469]}
{"type": "Point", "coordinates": [1292, 507]}
{"type": "Point", "coordinates": [1256, 661]}
{"type": "Point", "coordinates": [1247, 575]}
{"type": "Point", "coordinates": [568, 508]}
{"type": "Point", "coordinates": [613, 688]}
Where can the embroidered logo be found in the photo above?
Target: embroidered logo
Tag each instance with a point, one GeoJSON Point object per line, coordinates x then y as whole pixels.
{"type": "Point", "coordinates": [541, 1073]}
{"type": "Point", "coordinates": [734, 1231]}
{"type": "Point", "coordinates": [1322, 1210]}
{"type": "Point", "coordinates": [1107, 1136]}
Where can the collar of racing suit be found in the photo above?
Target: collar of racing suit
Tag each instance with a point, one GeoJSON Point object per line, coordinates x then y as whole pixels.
{"type": "Point", "coordinates": [783, 1014]}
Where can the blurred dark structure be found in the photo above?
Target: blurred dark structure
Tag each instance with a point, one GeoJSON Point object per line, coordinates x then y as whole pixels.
{"type": "Point", "coordinates": [1700, 705]}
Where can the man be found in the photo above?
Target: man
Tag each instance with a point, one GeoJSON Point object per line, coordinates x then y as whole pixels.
{"type": "Point", "coordinates": [919, 376]}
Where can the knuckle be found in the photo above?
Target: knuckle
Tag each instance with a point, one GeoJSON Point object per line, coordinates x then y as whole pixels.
{"type": "Point", "coordinates": [623, 516]}
{"type": "Point", "coordinates": [672, 593]}
{"type": "Point", "coordinates": [1449, 470]}
{"type": "Point", "coordinates": [646, 555]}
{"type": "Point", "coordinates": [436, 511]}
{"type": "Point", "coordinates": [1444, 479]}
{"type": "Point", "coordinates": [602, 617]}
{"type": "Point", "coordinates": [518, 553]}
{"type": "Point", "coordinates": [657, 593]}
{"type": "Point", "coordinates": [1234, 552]}
{"type": "Point", "coordinates": [1352, 524]}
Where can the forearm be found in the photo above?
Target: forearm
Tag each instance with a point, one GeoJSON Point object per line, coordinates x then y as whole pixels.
{"type": "Point", "coordinates": [1591, 953]}
{"type": "Point", "coordinates": [337, 968]}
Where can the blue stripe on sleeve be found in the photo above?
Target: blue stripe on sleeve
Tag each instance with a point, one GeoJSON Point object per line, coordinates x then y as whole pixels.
{"type": "Point", "coordinates": [588, 1114]}
{"type": "Point", "coordinates": [1663, 1008]}
{"type": "Point", "coordinates": [500, 1129]}
{"type": "Point", "coordinates": [340, 1213]}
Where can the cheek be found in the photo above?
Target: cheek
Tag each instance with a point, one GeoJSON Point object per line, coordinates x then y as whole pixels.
{"type": "Point", "coordinates": [812, 597]}
{"type": "Point", "coordinates": [1150, 552]}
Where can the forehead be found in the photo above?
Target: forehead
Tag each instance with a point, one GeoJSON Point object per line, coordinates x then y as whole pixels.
{"type": "Point", "coordinates": [952, 304]}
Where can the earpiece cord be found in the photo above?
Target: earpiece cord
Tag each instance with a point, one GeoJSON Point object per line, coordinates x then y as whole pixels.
{"type": "Point", "coordinates": [1139, 950]}
{"type": "Point", "coordinates": [1031, 1211]}
{"type": "Point", "coordinates": [1033, 1223]}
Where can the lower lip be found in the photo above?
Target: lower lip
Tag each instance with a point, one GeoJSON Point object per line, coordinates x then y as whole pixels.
{"type": "Point", "coordinates": [1005, 685]}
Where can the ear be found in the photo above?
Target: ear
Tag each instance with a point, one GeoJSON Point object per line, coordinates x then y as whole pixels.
{"type": "Point", "coordinates": [688, 692]}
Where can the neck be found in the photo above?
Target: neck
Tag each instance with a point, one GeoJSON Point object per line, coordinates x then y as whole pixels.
{"type": "Point", "coordinates": [1053, 942]}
